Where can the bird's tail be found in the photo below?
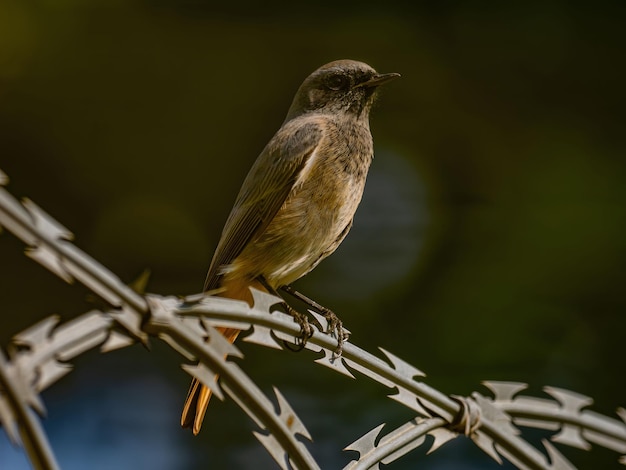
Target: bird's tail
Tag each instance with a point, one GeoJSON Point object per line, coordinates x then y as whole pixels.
{"type": "Point", "coordinates": [199, 395]}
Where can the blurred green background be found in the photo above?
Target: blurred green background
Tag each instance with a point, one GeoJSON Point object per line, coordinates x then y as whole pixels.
{"type": "Point", "coordinates": [489, 245]}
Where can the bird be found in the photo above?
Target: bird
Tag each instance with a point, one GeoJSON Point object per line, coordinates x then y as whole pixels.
{"type": "Point", "coordinates": [298, 201]}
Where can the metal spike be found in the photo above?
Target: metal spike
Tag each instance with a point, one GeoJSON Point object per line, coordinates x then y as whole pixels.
{"type": "Point", "coordinates": [177, 347]}
{"type": "Point", "coordinates": [14, 218]}
{"type": "Point", "coordinates": [206, 376]}
{"type": "Point", "coordinates": [50, 372]}
{"type": "Point", "coordinates": [321, 319]}
{"type": "Point", "coordinates": [289, 417]}
{"type": "Point", "coordinates": [573, 403]}
{"type": "Point", "coordinates": [332, 361]}
{"type": "Point", "coordinates": [131, 320]}
{"type": "Point", "coordinates": [28, 394]}
{"type": "Point", "coordinates": [140, 283]}
{"type": "Point", "coordinates": [441, 436]}
{"type": "Point", "coordinates": [8, 421]}
{"type": "Point", "coordinates": [116, 340]}
{"type": "Point", "coordinates": [45, 223]}
{"type": "Point", "coordinates": [369, 373]}
{"type": "Point", "coordinates": [571, 436]}
{"type": "Point", "coordinates": [274, 448]}
{"type": "Point", "coordinates": [570, 401]}
{"type": "Point", "coordinates": [403, 367]}
{"type": "Point", "coordinates": [262, 335]}
{"type": "Point", "coordinates": [366, 443]}
{"type": "Point", "coordinates": [517, 462]}
{"type": "Point", "coordinates": [485, 443]}
{"type": "Point", "coordinates": [219, 343]}
{"type": "Point", "coordinates": [504, 391]}
{"type": "Point", "coordinates": [37, 334]}
{"type": "Point", "coordinates": [409, 400]}
{"type": "Point", "coordinates": [264, 301]}
{"type": "Point", "coordinates": [557, 460]}
{"type": "Point", "coordinates": [49, 259]}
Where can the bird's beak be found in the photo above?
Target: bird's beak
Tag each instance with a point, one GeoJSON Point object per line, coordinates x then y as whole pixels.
{"type": "Point", "coordinates": [379, 79]}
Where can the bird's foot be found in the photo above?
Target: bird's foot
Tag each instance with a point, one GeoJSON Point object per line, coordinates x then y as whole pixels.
{"type": "Point", "coordinates": [306, 330]}
{"type": "Point", "coordinates": [335, 325]}
{"type": "Point", "coordinates": [335, 328]}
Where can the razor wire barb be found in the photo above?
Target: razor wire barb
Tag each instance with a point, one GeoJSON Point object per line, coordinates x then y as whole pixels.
{"type": "Point", "coordinates": [40, 355]}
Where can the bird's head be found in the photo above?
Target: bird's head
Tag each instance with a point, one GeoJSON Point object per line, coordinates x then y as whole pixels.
{"type": "Point", "coordinates": [342, 86]}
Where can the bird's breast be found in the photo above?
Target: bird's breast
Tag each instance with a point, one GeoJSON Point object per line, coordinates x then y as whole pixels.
{"type": "Point", "coordinates": [330, 186]}
{"type": "Point", "coordinates": [318, 211]}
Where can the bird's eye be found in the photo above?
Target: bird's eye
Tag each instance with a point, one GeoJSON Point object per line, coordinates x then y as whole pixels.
{"type": "Point", "coordinates": [337, 82]}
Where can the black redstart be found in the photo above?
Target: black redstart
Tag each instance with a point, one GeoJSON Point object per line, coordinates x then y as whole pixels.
{"type": "Point", "coordinates": [297, 203]}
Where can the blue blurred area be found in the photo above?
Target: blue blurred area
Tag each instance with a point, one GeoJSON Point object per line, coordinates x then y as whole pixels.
{"type": "Point", "coordinates": [489, 244]}
{"type": "Point", "coordinates": [105, 428]}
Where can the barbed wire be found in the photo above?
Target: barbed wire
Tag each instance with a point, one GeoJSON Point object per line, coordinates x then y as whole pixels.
{"type": "Point", "coordinates": [40, 355]}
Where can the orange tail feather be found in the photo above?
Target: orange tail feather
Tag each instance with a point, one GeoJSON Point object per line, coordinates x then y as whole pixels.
{"type": "Point", "coordinates": [199, 395]}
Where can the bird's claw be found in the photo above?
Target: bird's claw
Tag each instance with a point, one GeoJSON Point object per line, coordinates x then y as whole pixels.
{"type": "Point", "coordinates": [335, 325]}
{"type": "Point", "coordinates": [335, 329]}
{"type": "Point", "coordinates": [306, 331]}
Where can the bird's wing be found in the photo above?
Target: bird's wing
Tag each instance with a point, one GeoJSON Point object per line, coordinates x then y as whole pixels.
{"type": "Point", "coordinates": [264, 190]}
